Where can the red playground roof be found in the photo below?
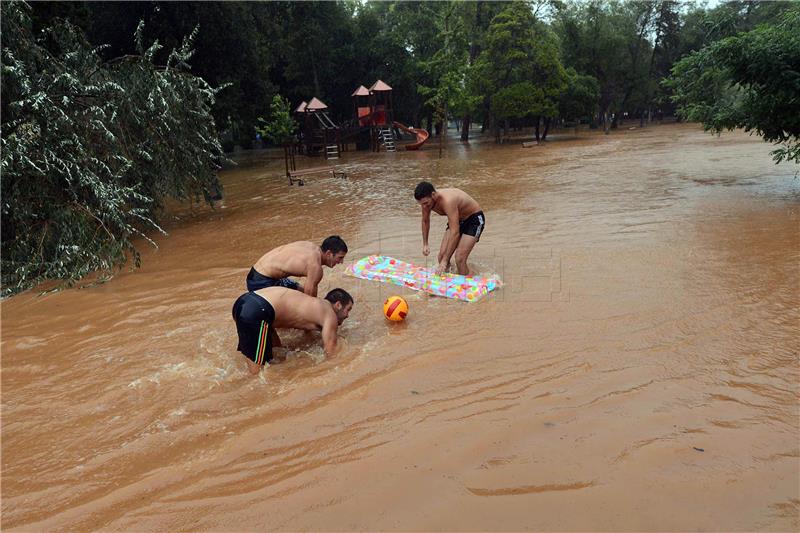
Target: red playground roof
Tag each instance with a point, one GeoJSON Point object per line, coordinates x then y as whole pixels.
{"type": "Point", "coordinates": [361, 91]}
{"type": "Point", "coordinates": [379, 86]}
{"type": "Point", "coordinates": [316, 105]}
{"type": "Point", "coordinates": [301, 107]}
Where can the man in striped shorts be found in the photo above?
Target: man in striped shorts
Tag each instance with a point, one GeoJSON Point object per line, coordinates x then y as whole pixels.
{"type": "Point", "coordinates": [258, 313]}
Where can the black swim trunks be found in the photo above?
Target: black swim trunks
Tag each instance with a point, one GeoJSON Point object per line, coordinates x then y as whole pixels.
{"type": "Point", "coordinates": [472, 225]}
{"type": "Point", "coordinates": [256, 280]}
{"type": "Point", "coordinates": [254, 317]}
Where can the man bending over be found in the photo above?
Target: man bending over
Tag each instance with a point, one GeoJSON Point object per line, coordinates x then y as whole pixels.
{"type": "Point", "coordinates": [258, 313]}
{"type": "Point", "coordinates": [465, 223]}
{"type": "Point", "coordinates": [301, 258]}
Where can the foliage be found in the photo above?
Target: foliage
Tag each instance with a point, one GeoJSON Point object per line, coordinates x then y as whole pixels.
{"type": "Point", "coordinates": [750, 81]}
{"type": "Point", "coordinates": [90, 149]}
{"type": "Point", "coordinates": [281, 127]}
{"type": "Point", "coordinates": [519, 68]}
{"type": "Point", "coordinates": [448, 67]}
{"type": "Point", "coordinates": [580, 98]}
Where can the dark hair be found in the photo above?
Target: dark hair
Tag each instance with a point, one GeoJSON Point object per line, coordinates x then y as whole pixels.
{"type": "Point", "coordinates": [335, 244]}
{"type": "Point", "coordinates": [423, 190]}
{"type": "Point", "coordinates": [339, 295]}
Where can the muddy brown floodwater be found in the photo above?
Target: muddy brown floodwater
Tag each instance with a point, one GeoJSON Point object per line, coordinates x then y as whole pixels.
{"type": "Point", "coordinates": [638, 370]}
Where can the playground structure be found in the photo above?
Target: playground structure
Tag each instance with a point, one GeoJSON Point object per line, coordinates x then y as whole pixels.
{"type": "Point", "coordinates": [421, 134]}
{"type": "Point", "coordinates": [318, 131]}
{"type": "Point", "coordinates": [371, 128]}
{"type": "Point", "coordinates": [374, 115]}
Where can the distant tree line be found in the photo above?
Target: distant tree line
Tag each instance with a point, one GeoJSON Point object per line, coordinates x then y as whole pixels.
{"type": "Point", "coordinates": [493, 63]}
{"type": "Point", "coordinates": [108, 108]}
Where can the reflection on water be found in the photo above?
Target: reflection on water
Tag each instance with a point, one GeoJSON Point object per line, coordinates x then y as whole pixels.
{"type": "Point", "coordinates": [640, 363]}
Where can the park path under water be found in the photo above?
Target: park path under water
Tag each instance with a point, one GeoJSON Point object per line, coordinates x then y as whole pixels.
{"type": "Point", "coordinates": [638, 370]}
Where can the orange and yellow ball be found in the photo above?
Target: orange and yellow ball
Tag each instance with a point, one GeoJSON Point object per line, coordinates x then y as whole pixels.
{"type": "Point", "coordinates": [395, 308]}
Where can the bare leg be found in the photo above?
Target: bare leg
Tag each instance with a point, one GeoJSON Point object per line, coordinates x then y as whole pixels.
{"type": "Point", "coordinates": [443, 248]}
{"type": "Point", "coordinates": [463, 250]}
{"type": "Point", "coordinates": [276, 341]}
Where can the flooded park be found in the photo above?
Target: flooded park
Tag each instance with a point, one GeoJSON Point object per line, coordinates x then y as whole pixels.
{"type": "Point", "coordinates": [638, 370]}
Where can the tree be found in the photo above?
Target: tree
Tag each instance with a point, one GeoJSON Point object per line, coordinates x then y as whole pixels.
{"type": "Point", "coordinates": [748, 81]}
{"type": "Point", "coordinates": [580, 98]}
{"type": "Point", "coordinates": [281, 127]}
{"type": "Point", "coordinates": [91, 148]}
{"type": "Point", "coordinates": [477, 16]}
{"type": "Point", "coordinates": [519, 69]}
{"type": "Point", "coordinates": [447, 69]}
{"type": "Point", "coordinates": [595, 41]}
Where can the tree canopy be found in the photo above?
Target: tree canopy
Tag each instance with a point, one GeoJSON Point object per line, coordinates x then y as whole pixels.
{"type": "Point", "coordinates": [91, 148]}
{"type": "Point", "coordinates": [750, 80]}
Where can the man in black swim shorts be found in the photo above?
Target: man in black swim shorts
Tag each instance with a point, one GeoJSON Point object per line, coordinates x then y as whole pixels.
{"type": "Point", "coordinates": [462, 211]}
{"type": "Point", "coordinates": [255, 325]}
{"type": "Point", "coordinates": [257, 315]}
{"type": "Point", "coordinates": [301, 258]}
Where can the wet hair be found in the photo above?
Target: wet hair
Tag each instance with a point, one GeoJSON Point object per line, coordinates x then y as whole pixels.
{"type": "Point", "coordinates": [335, 244]}
{"type": "Point", "coordinates": [339, 295]}
{"type": "Point", "coordinates": [423, 190]}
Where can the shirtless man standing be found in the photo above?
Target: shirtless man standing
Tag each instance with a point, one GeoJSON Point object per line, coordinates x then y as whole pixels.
{"type": "Point", "coordinates": [301, 258]}
{"type": "Point", "coordinates": [465, 223]}
{"type": "Point", "coordinates": [258, 313]}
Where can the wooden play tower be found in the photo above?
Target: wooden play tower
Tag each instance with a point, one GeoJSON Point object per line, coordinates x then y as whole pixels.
{"type": "Point", "coordinates": [320, 132]}
{"type": "Point", "coordinates": [373, 112]}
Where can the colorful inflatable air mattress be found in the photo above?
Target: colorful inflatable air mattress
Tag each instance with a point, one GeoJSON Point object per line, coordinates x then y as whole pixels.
{"type": "Point", "coordinates": [390, 270]}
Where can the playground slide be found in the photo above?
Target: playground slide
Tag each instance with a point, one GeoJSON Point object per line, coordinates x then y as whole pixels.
{"type": "Point", "coordinates": [422, 135]}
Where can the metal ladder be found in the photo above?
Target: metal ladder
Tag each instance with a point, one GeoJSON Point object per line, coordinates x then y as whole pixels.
{"type": "Point", "coordinates": [332, 151]}
{"type": "Point", "coordinates": [386, 137]}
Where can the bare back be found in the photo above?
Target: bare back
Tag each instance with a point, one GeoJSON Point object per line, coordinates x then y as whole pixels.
{"type": "Point", "coordinates": [292, 259]}
{"type": "Point", "coordinates": [293, 309]}
{"type": "Point", "coordinates": [464, 204]}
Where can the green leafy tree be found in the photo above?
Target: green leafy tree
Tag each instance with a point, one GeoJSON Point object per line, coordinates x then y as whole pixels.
{"type": "Point", "coordinates": [447, 70]}
{"type": "Point", "coordinates": [520, 69]}
{"type": "Point", "coordinates": [281, 127]}
{"type": "Point", "coordinates": [750, 81]}
{"type": "Point", "coordinates": [91, 148]}
{"type": "Point", "coordinates": [580, 98]}
{"type": "Point", "coordinates": [607, 41]}
{"type": "Point", "coordinates": [476, 18]}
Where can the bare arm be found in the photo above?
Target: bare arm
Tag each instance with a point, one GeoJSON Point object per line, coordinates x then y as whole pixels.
{"type": "Point", "coordinates": [330, 325]}
{"type": "Point", "coordinates": [313, 277]}
{"type": "Point", "coordinates": [426, 228]}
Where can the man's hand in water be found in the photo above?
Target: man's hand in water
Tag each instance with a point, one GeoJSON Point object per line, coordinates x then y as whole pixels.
{"type": "Point", "coordinates": [426, 250]}
{"type": "Point", "coordinates": [442, 268]}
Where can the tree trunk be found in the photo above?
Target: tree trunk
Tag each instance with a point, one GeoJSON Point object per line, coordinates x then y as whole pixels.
{"type": "Point", "coordinates": [443, 133]}
{"type": "Point", "coordinates": [536, 122]}
{"type": "Point", "coordinates": [474, 50]}
{"type": "Point", "coordinates": [546, 127]}
{"type": "Point", "coordinates": [465, 128]}
{"type": "Point", "coordinates": [605, 121]}
{"type": "Point", "coordinates": [495, 128]}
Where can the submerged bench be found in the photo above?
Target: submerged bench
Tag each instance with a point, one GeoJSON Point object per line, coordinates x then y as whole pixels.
{"type": "Point", "coordinates": [295, 175]}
